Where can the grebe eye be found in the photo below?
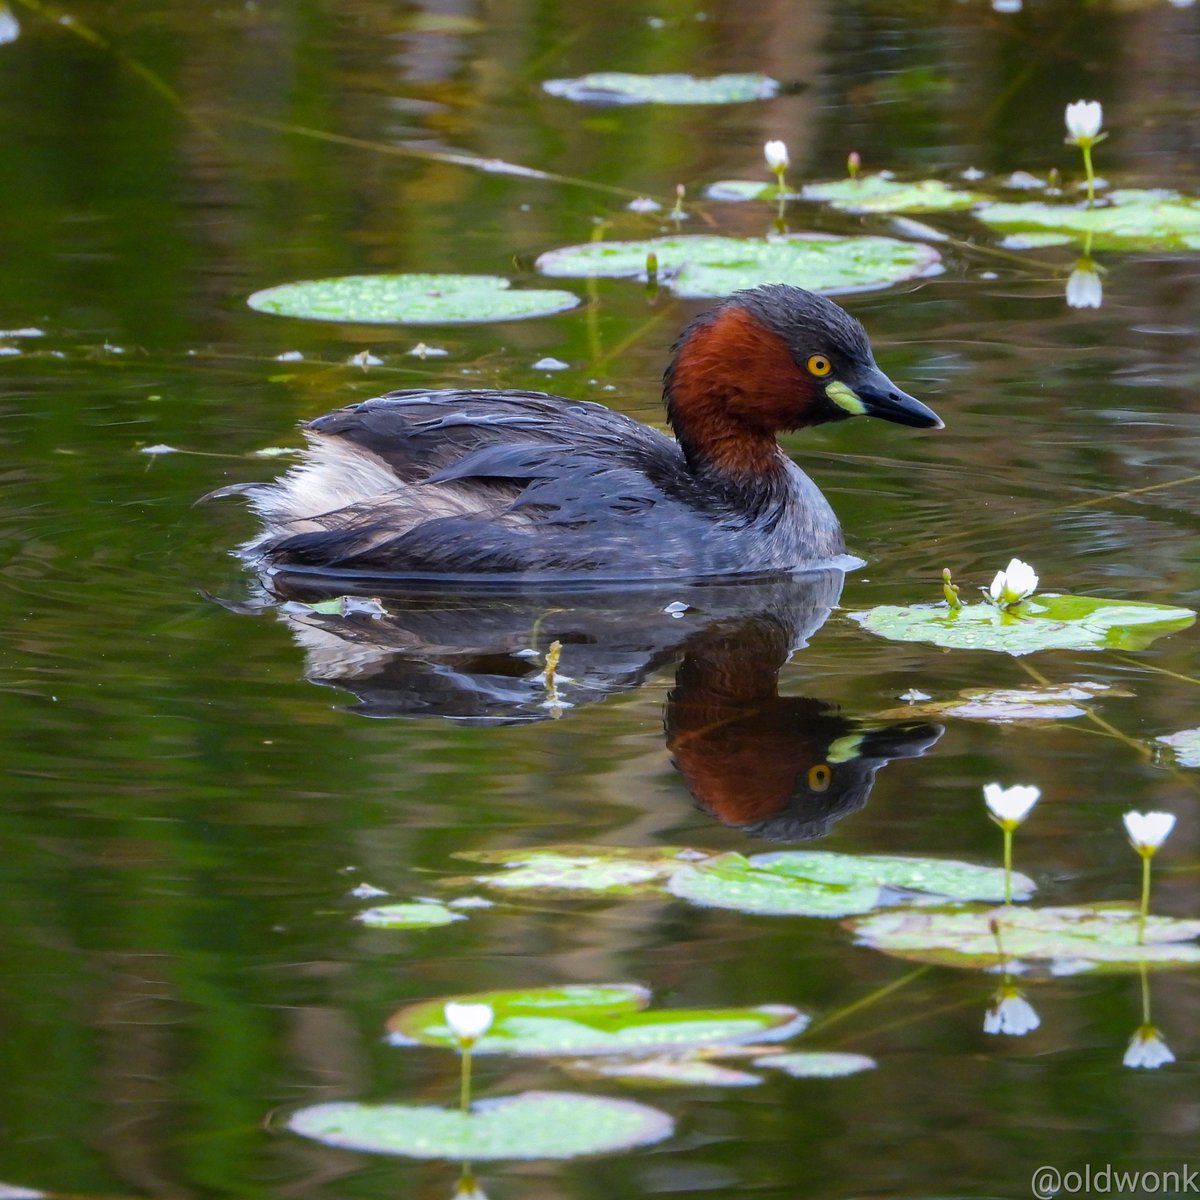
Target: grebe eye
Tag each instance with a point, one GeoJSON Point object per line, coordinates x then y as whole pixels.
{"type": "Point", "coordinates": [819, 778]}
{"type": "Point", "coordinates": [819, 365]}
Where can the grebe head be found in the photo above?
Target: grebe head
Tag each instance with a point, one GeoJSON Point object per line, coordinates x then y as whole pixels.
{"type": "Point", "coordinates": [768, 359]}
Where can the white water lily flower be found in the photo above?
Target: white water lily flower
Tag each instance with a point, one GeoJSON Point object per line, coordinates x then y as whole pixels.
{"type": "Point", "coordinates": [1147, 1050]}
{"type": "Point", "coordinates": [1010, 806]}
{"type": "Point", "coordinates": [1084, 118]}
{"type": "Point", "coordinates": [776, 154]}
{"type": "Point", "coordinates": [1013, 584]}
{"type": "Point", "coordinates": [469, 1022]}
{"type": "Point", "coordinates": [1148, 831]}
{"type": "Point", "coordinates": [1084, 288]}
{"type": "Point", "coordinates": [1011, 1014]}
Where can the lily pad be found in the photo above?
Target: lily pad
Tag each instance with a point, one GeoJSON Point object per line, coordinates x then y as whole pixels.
{"type": "Point", "coordinates": [410, 300]}
{"type": "Point", "coordinates": [526, 1126]}
{"type": "Point", "coordinates": [738, 191]}
{"type": "Point", "coordinates": [822, 884]}
{"type": "Point", "coordinates": [1005, 705]}
{"type": "Point", "coordinates": [1186, 744]}
{"type": "Point", "coordinates": [574, 1021]}
{"type": "Point", "coordinates": [1127, 219]}
{"type": "Point", "coordinates": [877, 194]}
{"type": "Point", "coordinates": [930, 876]}
{"type": "Point", "coordinates": [622, 87]}
{"type": "Point", "coordinates": [664, 1070]}
{"type": "Point", "coordinates": [817, 1064]}
{"type": "Point", "coordinates": [1044, 622]}
{"type": "Point", "coordinates": [600, 869]}
{"type": "Point", "coordinates": [408, 916]}
{"type": "Point", "coordinates": [709, 266]}
{"type": "Point", "coordinates": [1069, 939]}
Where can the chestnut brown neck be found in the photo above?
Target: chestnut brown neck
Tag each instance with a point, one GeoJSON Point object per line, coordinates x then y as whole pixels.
{"type": "Point", "coordinates": [731, 387]}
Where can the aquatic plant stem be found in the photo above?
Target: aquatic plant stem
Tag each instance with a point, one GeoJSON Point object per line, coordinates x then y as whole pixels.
{"type": "Point", "coordinates": [1008, 841]}
{"type": "Point", "coordinates": [1145, 974]}
{"type": "Point", "coordinates": [1086, 148]}
{"type": "Point", "coordinates": [869, 999]}
{"type": "Point", "coordinates": [1145, 896]}
{"type": "Point", "coordinates": [464, 1089]}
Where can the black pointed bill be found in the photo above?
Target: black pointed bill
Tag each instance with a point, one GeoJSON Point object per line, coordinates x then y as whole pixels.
{"type": "Point", "coordinates": [875, 395]}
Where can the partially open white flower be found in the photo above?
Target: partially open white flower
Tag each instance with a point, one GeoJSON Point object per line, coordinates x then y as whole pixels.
{"type": "Point", "coordinates": [469, 1022]}
{"type": "Point", "coordinates": [1011, 1014]}
{"type": "Point", "coordinates": [1148, 831]}
{"type": "Point", "coordinates": [1013, 584]}
{"type": "Point", "coordinates": [1147, 1050]}
{"type": "Point", "coordinates": [776, 154]}
{"type": "Point", "coordinates": [1084, 118]}
{"type": "Point", "coordinates": [1010, 806]}
{"type": "Point", "coordinates": [1084, 288]}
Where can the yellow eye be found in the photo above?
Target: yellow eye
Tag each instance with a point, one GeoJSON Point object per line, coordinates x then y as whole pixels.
{"type": "Point", "coordinates": [819, 777]}
{"type": "Point", "coordinates": [819, 365]}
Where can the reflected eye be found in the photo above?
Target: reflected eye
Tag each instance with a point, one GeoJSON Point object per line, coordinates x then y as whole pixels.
{"type": "Point", "coordinates": [819, 365]}
{"type": "Point", "coordinates": [819, 777]}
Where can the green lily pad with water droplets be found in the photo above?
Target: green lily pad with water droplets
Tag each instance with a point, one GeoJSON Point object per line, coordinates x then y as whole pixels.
{"type": "Point", "coordinates": [1068, 939]}
{"type": "Point", "coordinates": [600, 869]}
{"type": "Point", "coordinates": [410, 300]}
{"type": "Point", "coordinates": [823, 884]}
{"type": "Point", "coordinates": [1006, 705]}
{"type": "Point", "coordinates": [877, 194]}
{"type": "Point", "coordinates": [408, 916]}
{"type": "Point", "coordinates": [701, 267]}
{"type": "Point", "coordinates": [584, 1020]}
{"type": "Point", "coordinates": [622, 87]}
{"type": "Point", "coordinates": [531, 1125]}
{"type": "Point", "coordinates": [1127, 219]}
{"type": "Point", "coordinates": [1186, 744]}
{"type": "Point", "coordinates": [1044, 622]}
{"type": "Point", "coordinates": [817, 1064]}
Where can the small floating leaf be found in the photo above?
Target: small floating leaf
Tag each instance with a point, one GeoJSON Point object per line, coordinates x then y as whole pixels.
{"type": "Point", "coordinates": [822, 884]}
{"type": "Point", "coordinates": [817, 1064]}
{"type": "Point", "coordinates": [1069, 939]}
{"type": "Point", "coordinates": [674, 1070]}
{"type": "Point", "coordinates": [408, 916]}
{"type": "Point", "coordinates": [1044, 622]}
{"type": "Point", "coordinates": [703, 266]}
{"type": "Point", "coordinates": [1186, 744]}
{"type": "Point", "coordinates": [1011, 704]}
{"type": "Point", "coordinates": [621, 87]}
{"type": "Point", "coordinates": [526, 1126]}
{"type": "Point", "coordinates": [738, 191]}
{"type": "Point", "coordinates": [410, 300]}
{"type": "Point", "coordinates": [611, 869]}
{"type": "Point", "coordinates": [877, 194]}
{"type": "Point", "coordinates": [1130, 219]}
{"type": "Point", "coordinates": [579, 1020]}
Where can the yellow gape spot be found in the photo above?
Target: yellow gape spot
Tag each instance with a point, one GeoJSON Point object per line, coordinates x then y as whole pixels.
{"type": "Point", "coordinates": [819, 777]}
{"type": "Point", "coordinates": [846, 398]}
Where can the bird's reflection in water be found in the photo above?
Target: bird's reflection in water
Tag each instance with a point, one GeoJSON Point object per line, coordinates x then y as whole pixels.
{"type": "Point", "coordinates": [783, 768]}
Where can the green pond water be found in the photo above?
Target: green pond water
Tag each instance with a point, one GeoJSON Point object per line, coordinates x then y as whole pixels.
{"type": "Point", "coordinates": [195, 787]}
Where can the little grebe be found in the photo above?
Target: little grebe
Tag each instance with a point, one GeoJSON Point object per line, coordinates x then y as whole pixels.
{"type": "Point", "coordinates": [525, 484]}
